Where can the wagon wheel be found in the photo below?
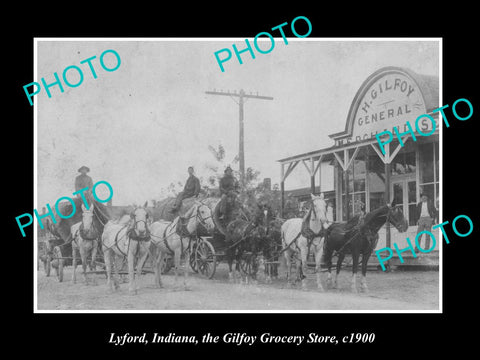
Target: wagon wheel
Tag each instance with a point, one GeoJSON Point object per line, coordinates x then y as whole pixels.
{"type": "Point", "coordinates": [57, 255]}
{"type": "Point", "coordinates": [205, 258]}
{"type": "Point", "coordinates": [193, 258]}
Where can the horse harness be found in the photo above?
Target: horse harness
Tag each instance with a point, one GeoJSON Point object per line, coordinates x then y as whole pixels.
{"type": "Point", "coordinates": [179, 231]}
{"type": "Point", "coordinates": [130, 234]}
{"type": "Point", "coordinates": [367, 233]}
{"type": "Point", "coordinates": [306, 232]}
{"type": "Point", "coordinates": [182, 231]}
{"type": "Point", "coordinates": [85, 234]}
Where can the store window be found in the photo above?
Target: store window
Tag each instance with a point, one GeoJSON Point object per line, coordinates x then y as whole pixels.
{"type": "Point", "coordinates": [429, 170]}
{"type": "Point", "coordinates": [404, 163]}
{"type": "Point", "coordinates": [356, 187]}
{"type": "Point", "coordinates": [376, 182]}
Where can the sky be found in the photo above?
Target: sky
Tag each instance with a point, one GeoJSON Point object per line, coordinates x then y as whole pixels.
{"type": "Point", "coordinates": [139, 127]}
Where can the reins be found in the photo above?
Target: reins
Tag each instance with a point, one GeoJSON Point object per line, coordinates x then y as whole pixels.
{"type": "Point", "coordinates": [178, 230]}
{"type": "Point", "coordinates": [358, 233]}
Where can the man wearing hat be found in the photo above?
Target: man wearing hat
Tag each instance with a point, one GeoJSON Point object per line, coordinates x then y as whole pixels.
{"type": "Point", "coordinates": [83, 180]}
{"type": "Point", "coordinates": [192, 188]}
{"type": "Point", "coordinates": [426, 214]}
{"type": "Point", "coordinates": [229, 188]}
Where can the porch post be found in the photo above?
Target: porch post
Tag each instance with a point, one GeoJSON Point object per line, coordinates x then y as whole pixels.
{"type": "Point", "coordinates": [282, 189]}
{"type": "Point", "coordinates": [387, 200]}
{"type": "Point", "coordinates": [312, 176]}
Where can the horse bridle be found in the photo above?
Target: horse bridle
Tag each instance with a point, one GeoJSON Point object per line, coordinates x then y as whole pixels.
{"type": "Point", "coordinates": [134, 227]}
{"type": "Point", "coordinates": [82, 229]}
{"type": "Point", "coordinates": [312, 209]}
{"type": "Point", "coordinates": [198, 215]}
{"type": "Point", "coordinates": [389, 215]}
{"type": "Point", "coordinates": [202, 219]}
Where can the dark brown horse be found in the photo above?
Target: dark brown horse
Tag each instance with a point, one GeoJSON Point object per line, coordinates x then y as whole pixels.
{"type": "Point", "coordinates": [267, 239]}
{"type": "Point", "coordinates": [359, 236]}
{"type": "Point", "coordinates": [262, 242]}
{"type": "Point", "coordinates": [237, 228]}
{"type": "Point", "coordinates": [247, 237]}
{"type": "Point", "coordinates": [62, 228]}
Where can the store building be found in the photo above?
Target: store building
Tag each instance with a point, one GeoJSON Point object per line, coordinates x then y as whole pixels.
{"type": "Point", "coordinates": [363, 175]}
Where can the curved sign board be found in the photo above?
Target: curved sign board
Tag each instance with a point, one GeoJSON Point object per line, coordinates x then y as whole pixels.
{"type": "Point", "coordinates": [387, 100]}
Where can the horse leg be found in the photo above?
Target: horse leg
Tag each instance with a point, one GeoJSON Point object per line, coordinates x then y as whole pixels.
{"type": "Point", "coordinates": [303, 255]}
{"type": "Point", "coordinates": [132, 249]}
{"type": "Point", "coordinates": [142, 257]}
{"type": "Point", "coordinates": [363, 281]}
{"type": "Point", "coordinates": [118, 264]}
{"type": "Point", "coordinates": [268, 267]}
{"type": "Point", "coordinates": [318, 264]}
{"type": "Point", "coordinates": [260, 267]}
{"type": "Point", "coordinates": [230, 255]}
{"type": "Point", "coordinates": [107, 254]}
{"type": "Point", "coordinates": [157, 265]}
{"type": "Point", "coordinates": [288, 259]}
{"type": "Point", "coordinates": [341, 256]}
{"type": "Point", "coordinates": [177, 258]}
{"type": "Point", "coordinates": [355, 257]}
{"type": "Point", "coordinates": [248, 266]}
{"type": "Point", "coordinates": [74, 264]}
{"type": "Point", "coordinates": [185, 269]}
{"type": "Point", "coordinates": [93, 262]}
{"type": "Point", "coordinates": [328, 261]}
{"type": "Point", "coordinates": [236, 270]}
{"type": "Point", "coordinates": [160, 258]}
{"type": "Point", "coordinates": [83, 256]}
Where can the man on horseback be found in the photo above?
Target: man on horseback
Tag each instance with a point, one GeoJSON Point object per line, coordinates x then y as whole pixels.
{"type": "Point", "coordinates": [82, 181]}
{"type": "Point", "coordinates": [192, 188]}
{"type": "Point", "coordinates": [229, 189]}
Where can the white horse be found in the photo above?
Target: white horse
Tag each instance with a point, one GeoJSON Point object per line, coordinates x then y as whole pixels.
{"type": "Point", "coordinates": [174, 237]}
{"type": "Point", "coordinates": [128, 237]}
{"type": "Point", "coordinates": [294, 242]}
{"type": "Point", "coordinates": [85, 240]}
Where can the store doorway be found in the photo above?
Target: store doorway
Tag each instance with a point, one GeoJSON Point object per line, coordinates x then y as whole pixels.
{"type": "Point", "coordinates": [404, 193]}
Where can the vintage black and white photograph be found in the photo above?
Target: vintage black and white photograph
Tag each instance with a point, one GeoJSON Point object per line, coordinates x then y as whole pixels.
{"type": "Point", "coordinates": [213, 175]}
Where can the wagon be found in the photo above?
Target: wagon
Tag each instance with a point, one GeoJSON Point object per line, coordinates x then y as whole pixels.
{"type": "Point", "coordinates": [56, 253]}
{"type": "Point", "coordinates": [206, 252]}
{"type": "Point", "coordinates": [204, 256]}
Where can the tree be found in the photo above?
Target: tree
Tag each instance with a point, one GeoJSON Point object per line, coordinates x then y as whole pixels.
{"type": "Point", "coordinates": [253, 191]}
{"type": "Point", "coordinates": [218, 166]}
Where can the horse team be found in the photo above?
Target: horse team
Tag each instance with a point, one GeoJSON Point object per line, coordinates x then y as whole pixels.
{"type": "Point", "coordinates": [135, 236]}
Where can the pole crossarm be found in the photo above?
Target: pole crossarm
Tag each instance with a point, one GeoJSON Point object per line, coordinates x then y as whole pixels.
{"type": "Point", "coordinates": [241, 100]}
{"type": "Point", "coordinates": [228, 93]}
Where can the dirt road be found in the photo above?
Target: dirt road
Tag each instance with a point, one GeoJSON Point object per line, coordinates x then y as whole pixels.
{"type": "Point", "coordinates": [387, 291]}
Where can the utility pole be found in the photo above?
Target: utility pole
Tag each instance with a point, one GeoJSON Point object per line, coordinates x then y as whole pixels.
{"type": "Point", "coordinates": [241, 100]}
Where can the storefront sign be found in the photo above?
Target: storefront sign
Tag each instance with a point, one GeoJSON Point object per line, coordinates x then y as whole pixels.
{"type": "Point", "coordinates": [390, 100]}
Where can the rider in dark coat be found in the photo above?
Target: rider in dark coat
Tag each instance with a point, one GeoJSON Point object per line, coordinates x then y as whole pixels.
{"type": "Point", "coordinates": [192, 188]}
{"type": "Point", "coordinates": [83, 180]}
{"type": "Point", "coordinates": [228, 182]}
{"type": "Point", "coordinates": [229, 187]}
